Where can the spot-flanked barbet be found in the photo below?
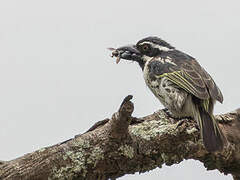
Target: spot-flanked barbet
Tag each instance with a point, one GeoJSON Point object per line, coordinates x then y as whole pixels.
{"type": "Point", "coordinates": [180, 84]}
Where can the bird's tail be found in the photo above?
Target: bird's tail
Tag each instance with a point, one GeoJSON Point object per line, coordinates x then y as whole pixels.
{"type": "Point", "coordinates": [211, 134]}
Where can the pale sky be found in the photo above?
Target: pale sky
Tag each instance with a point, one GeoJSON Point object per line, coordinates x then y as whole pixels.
{"type": "Point", "coordinates": [57, 78]}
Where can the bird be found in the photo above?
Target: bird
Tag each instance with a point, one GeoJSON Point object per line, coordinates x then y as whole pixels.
{"type": "Point", "coordinates": [180, 83]}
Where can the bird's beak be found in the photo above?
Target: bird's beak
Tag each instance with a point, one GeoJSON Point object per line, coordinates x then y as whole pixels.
{"type": "Point", "coordinates": [129, 52]}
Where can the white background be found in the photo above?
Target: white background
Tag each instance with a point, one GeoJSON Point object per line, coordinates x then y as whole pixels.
{"type": "Point", "coordinates": [57, 79]}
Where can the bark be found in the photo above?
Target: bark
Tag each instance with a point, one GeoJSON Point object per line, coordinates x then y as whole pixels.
{"type": "Point", "coordinates": [125, 145]}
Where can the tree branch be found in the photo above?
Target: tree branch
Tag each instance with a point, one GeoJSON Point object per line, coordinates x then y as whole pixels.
{"type": "Point", "coordinates": [125, 145]}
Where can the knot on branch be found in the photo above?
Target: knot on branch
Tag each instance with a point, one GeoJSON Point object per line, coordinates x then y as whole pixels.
{"type": "Point", "coordinates": [120, 120]}
{"type": "Point", "coordinates": [127, 107]}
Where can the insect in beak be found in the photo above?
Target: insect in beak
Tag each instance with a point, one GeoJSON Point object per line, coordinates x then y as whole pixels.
{"type": "Point", "coordinates": [115, 53]}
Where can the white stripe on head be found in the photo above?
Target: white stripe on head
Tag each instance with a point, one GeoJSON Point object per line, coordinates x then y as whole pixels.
{"type": "Point", "coordinates": [161, 48]}
{"type": "Point", "coordinates": [162, 60]}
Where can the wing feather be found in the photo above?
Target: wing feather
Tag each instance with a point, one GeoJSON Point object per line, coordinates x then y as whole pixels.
{"type": "Point", "coordinates": [181, 79]}
{"type": "Point", "coordinates": [190, 76]}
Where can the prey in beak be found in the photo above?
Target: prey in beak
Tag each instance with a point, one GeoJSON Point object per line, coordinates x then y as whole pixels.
{"type": "Point", "coordinates": [129, 52]}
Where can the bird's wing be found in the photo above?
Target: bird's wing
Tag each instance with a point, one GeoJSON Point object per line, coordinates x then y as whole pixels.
{"type": "Point", "coordinates": [213, 89]}
{"type": "Point", "coordinates": [190, 76]}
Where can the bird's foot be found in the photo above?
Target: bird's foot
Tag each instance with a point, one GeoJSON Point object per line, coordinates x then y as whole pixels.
{"type": "Point", "coordinates": [175, 118]}
{"type": "Point", "coordinates": [180, 123]}
{"type": "Point", "coordinates": [197, 127]}
{"type": "Point", "coordinates": [169, 113]}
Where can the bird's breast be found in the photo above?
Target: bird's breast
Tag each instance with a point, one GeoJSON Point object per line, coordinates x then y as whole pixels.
{"type": "Point", "coordinates": [152, 72]}
{"type": "Point", "coordinates": [152, 68]}
{"type": "Point", "coordinates": [146, 73]}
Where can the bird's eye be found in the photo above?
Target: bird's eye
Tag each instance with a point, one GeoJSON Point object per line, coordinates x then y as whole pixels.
{"type": "Point", "coordinates": [145, 47]}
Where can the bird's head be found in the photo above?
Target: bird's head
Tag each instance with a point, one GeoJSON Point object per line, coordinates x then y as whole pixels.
{"type": "Point", "coordinates": [144, 50]}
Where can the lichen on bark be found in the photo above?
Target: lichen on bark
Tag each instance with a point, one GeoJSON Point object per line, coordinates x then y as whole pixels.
{"type": "Point", "coordinates": [125, 145]}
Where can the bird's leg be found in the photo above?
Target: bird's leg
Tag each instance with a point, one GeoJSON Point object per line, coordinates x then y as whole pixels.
{"type": "Point", "coordinates": [179, 120]}
{"type": "Point", "coordinates": [168, 113]}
